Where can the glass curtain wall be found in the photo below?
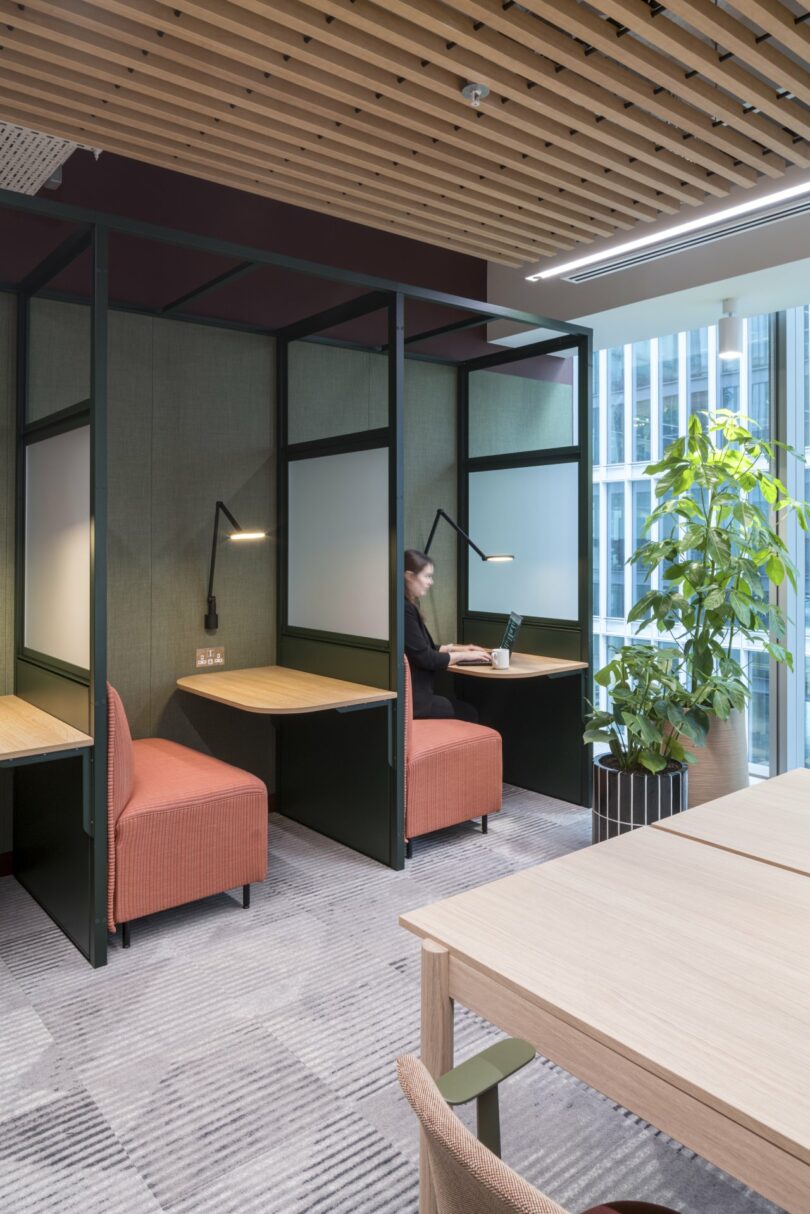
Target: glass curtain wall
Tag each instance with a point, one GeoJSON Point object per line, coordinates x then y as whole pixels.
{"type": "Point", "coordinates": [643, 395]}
{"type": "Point", "coordinates": [798, 382]}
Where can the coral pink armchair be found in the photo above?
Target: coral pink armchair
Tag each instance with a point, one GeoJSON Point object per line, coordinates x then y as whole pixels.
{"type": "Point", "coordinates": [181, 825]}
{"type": "Point", "coordinates": [453, 771]}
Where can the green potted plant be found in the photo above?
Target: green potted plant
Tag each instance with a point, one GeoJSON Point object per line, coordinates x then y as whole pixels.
{"type": "Point", "coordinates": [650, 719]}
{"type": "Point", "coordinates": [716, 568]}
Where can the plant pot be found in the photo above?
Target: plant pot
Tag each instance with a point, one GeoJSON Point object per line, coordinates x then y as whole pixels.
{"type": "Point", "coordinates": [721, 765]}
{"type": "Point", "coordinates": [623, 800]}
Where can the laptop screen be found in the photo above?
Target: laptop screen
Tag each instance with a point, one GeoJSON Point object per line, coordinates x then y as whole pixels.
{"type": "Point", "coordinates": [511, 631]}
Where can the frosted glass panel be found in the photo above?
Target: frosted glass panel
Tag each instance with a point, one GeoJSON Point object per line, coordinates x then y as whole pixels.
{"type": "Point", "coordinates": [338, 543]}
{"type": "Point", "coordinates": [532, 513]}
{"type": "Point", "coordinates": [57, 547]}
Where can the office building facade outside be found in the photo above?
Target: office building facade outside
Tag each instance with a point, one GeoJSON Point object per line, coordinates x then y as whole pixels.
{"type": "Point", "coordinates": [643, 395]}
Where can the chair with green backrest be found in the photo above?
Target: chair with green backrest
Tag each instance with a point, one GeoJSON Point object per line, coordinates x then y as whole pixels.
{"type": "Point", "coordinates": [467, 1177]}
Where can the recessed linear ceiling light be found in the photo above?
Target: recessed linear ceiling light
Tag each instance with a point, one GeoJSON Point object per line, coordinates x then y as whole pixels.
{"type": "Point", "coordinates": [680, 229]}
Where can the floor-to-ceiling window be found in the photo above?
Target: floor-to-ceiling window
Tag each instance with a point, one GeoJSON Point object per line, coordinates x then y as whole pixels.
{"type": "Point", "coordinates": [643, 396]}
{"type": "Point", "coordinates": [798, 387]}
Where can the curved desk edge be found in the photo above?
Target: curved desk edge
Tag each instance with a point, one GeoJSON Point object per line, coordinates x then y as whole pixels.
{"type": "Point", "coordinates": [281, 690]}
{"type": "Point", "coordinates": [523, 666]}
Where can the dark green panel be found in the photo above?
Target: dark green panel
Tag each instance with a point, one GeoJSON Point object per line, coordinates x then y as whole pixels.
{"type": "Point", "coordinates": [244, 739]}
{"type": "Point", "coordinates": [52, 854]}
{"type": "Point", "coordinates": [369, 666]}
{"type": "Point", "coordinates": [335, 778]}
{"type": "Point", "coordinates": [540, 721]}
{"type": "Point", "coordinates": [543, 639]}
{"type": "Point", "coordinates": [57, 694]}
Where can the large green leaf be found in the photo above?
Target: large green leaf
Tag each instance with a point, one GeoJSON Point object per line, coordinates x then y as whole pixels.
{"type": "Point", "coordinates": [775, 570]}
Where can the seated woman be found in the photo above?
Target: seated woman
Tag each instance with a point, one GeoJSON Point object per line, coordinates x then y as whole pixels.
{"type": "Point", "coordinates": [423, 654]}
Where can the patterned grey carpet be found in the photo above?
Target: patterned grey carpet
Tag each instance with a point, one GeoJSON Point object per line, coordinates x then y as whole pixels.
{"type": "Point", "coordinates": [241, 1062]}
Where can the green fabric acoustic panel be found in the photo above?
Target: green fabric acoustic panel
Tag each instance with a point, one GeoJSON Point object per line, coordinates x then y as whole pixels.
{"type": "Point", "coordinates": [430, 482]}
{"type": "Point", "coordinates": [191, 421]}
{"type": "Point", "coordinates": [59, 362]}
{"type": "Point", "coordinates": [333, 390]}
{"type": "Point", "coordinates": [510, 412]}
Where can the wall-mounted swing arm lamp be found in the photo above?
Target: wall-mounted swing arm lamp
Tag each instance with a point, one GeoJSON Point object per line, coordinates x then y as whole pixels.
{"type": "Point", "coordinates": [494, 557]}
{"type": "Point", "coordinates": [211, 617]}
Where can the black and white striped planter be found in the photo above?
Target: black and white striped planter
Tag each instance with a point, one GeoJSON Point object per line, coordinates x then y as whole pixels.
{"type": "Point", "coordinates": [623, 801]}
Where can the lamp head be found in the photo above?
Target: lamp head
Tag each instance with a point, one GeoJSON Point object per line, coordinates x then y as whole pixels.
{"type": "Point", "coordinates": [211, 617]}
{"type": "Point", "coordinates": [499, 557]}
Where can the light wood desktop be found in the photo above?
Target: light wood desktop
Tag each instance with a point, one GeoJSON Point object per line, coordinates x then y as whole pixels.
{"type": "Point", "coordinates": [280, 690]}
{"type": "Point", "coordinates": [523, 666]}
{"type": "Point", "coordinates": [768, 822]}
{"type": "Point", "coordinates": [28, 731]}
{"type": "Point", "coordinates": [670, 975]}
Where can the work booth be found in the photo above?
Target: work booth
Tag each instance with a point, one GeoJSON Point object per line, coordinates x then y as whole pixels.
{"type": "Point", "coordinates": [163, 382]}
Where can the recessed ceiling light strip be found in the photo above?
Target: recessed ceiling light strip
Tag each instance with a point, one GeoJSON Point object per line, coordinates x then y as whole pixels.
{"type": "Point", "coordinates": [666, 235]}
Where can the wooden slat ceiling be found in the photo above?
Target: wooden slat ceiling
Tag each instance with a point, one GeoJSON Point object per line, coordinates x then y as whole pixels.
{"type": "Point", "coordinates": [599, 117]}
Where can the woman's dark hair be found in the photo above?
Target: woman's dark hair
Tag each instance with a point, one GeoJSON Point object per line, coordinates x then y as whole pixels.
{"type": "Point", "coordinates": [415, 562]}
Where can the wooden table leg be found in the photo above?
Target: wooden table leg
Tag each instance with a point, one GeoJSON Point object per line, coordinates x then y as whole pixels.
{"type": "Point", "coordinates": [437, 1043]}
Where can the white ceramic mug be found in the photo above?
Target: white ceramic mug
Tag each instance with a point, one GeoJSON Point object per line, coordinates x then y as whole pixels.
{"type": "Point", "coordinates": [500, 659]}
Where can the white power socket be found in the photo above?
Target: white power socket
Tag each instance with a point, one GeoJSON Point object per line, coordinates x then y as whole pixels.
{"type": "Point", "coordinates": [211, 657]}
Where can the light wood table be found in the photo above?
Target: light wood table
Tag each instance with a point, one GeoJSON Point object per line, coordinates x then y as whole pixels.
{"type": "Point", "coordinates": [769, 822]}
{"type": "Point", "coordinates": [523, 666]}
{"type": "Point", "coordinates": [333, 770]}
{"type": "Point", "coordinates": [26, 731]}
{"type": "Point", "coordinates": [280, 690]}
{"type": "Point", "coordinates": [672, 976]}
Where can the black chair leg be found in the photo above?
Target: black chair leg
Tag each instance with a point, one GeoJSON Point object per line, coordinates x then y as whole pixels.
{"type": "Point", "coordinates": [408, 849]}
{"type": "Point", "coordinates": [246, 897]}
{"type": "Point", "coordinates": [125, 935]}
{"type": "Point", "coordinates": [484, 825]}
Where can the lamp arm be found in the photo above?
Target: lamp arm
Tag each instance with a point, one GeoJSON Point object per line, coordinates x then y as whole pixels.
{"type": "Point", "coordinates": [220, 506]}
{"type": "Point", "coordinates": [442, 514]}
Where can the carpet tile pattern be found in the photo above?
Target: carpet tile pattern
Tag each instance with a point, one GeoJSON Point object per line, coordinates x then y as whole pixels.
{"type": "Point", "coordinates": [241, 1062]}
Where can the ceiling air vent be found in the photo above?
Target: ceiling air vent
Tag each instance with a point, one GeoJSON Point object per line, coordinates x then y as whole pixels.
{"type": "Point", "coordinates": [28, 158]}
{"type": "Point", "coordinates": [692, 240]}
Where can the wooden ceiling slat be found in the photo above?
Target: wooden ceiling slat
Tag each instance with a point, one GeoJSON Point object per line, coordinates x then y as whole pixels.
{"type": "Point", "coordinates": [698, 56]}
{"type": "Point", "coordinates": [404, 76]}
{"type": "Point", "coordinates": [106, 80]}
{"type": "Point", "coordinates": [635, 92]}
{"type": "Point", "coordinates": [415, 27]}
{"type": "Point", "coordinates": [409, 101]}
{"type": "Point", "coordinates": [493, 47]}
{"type": "Point", "coordinates": [664, 70]}
{"type": "Point", "coordinates": [733, 35]}
{"type": "Point", "coordinates": [772, 17]}
{"type": "Point", "coordinates": [287, 141]}
{"type": "Point", "coordinates": [197, 56]}
{"type": "Point", "coordinates": [217, 148]}
{"type": "Point", "coordinates": [318, 200]}
{"type": "Point", "coordinates": [601, 115]}
{"type": "Point", "coordinates": [420, 217]}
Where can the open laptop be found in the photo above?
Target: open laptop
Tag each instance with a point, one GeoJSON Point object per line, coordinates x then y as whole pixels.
{"type": "Point", "coordinates": [507, 641]}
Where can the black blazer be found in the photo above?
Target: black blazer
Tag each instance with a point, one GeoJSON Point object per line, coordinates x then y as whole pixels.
{"type": "Point", "coordinates": [424, 657]}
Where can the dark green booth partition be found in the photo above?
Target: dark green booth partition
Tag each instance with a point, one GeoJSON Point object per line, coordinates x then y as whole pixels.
{"type": "Point", "coordinates": [525, 489]}
{"type": "Point", "coordinates": [60, 798]}
{"type": "Point", "coordinates": [340, 576]}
